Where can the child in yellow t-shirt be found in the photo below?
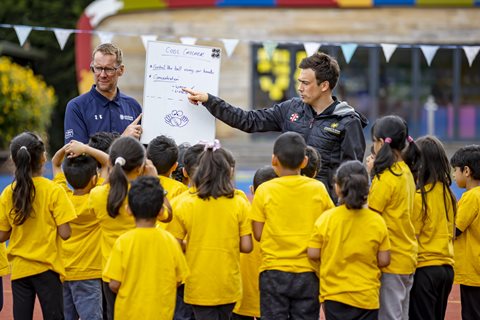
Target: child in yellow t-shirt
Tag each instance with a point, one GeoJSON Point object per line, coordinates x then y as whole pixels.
{"type": "Point", "coordinates": [466, 163]}
{"type": "Point", "coordinates": [352, 245]}
{"type": "Point", "coordinates": [82, 288]}
{"type": "Point", "coordinates": [146, 263]}
{"type": "Point", "coordinates": [163, 152]}
{"type": "Point", "coordinates": [214, 219]}
{"type": "Point", "coordinates": [433, 218]}
{"type": "Point", "coordinates": [34, 215]}
{"type": "Point", "coordinates": [284, 211]}
{"type": "Point", "coordinates": [108, 202]}
{"type": "Point", "coordinates": [249, 307]}
{"type": "Point", "coordinates": [392, 195]}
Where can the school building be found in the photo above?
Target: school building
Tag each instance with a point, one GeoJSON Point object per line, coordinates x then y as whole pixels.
{"type": "Point", "coordinates": [272, 37]}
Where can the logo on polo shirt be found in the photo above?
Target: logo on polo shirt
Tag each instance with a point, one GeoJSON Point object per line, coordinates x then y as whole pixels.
{"type": "Point", "coordinates": [125, 117]}
{"type": "Point", "coordinates": [69, 134]}
{"type": "Point", "coordinates": [98, 117]}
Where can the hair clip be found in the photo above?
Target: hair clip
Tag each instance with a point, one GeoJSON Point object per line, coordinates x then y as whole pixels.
{"type": "Point", "coordinates": [23, 147]}
{"type": "Point", "coordinates": [215, 145]}
{"type": "Point", "coordinates": [121, 161]}
{"type": "Point", "coordinates": [409, 139]}
{"type": "Point", "coordinates": [388, 140]}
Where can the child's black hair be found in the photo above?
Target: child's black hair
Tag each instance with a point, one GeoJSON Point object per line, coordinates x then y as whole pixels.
{"type": "Point", "coordinates": [102, 140]}
{"type": "Point", "coordinates": [289, 148]}
{"type": "Point", "coordinates": [352, 179]}
{"type": "Point", "coordinates": [468, 156]}
{"type": "Point", "coordinates": [213, 175]}
{"type": "Point", "coordinates": [26, 150]}
{"type": "Point", "coordinates": [126, 154]}
{"type": "Point", "coordinates": [434, 168]}
{"type": "Point", "coordinates": [313, 164]}
{"type": "Point", "coordinates": [163, 152]}
{"type": "Point", "coordinates": [394, 131]}
{"type": "Point", "coordinates": [145, 197]}
{"type": "Point", "coordinates": [262, 175]}
{"type": "Point", "coordinates": [177, 174]}
{"type": "Point", "coordinates": [79, 170]}
{"type": "Point", "coordinates": [191, 158]}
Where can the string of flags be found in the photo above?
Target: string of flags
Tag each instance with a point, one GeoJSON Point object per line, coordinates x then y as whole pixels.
{"type": "Point", "coordinates": [348, 49]}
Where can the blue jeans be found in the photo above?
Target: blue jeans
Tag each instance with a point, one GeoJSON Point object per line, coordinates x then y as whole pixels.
{"type": "Point", "coordinates": [83, 299]}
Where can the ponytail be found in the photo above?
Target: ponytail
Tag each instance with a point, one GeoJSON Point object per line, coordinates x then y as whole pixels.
{"type": "Point", "coordinates": [26, 151]}
{"type": "Point", "coordinates": [411, 156]}
{"type": "Point", "coordinates": [126, 154]}
{"type": "Point", "coordinates": [352, 180]}
{"type": "Point", "coordinates": [118, 189]}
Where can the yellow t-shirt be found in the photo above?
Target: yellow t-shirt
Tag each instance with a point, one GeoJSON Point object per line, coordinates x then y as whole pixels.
{"type": "Point", "coordinates": [4, 266]}
{"type": "Point", "coordinates": [81, 252]}
{"type": "Point", "coordinates": [435, 230]}
{"type": "Point", "coordinates": [149, 263]}
{"type": "Point", "coordinates": [249, 305]}
{"type": "Point", "coordinates": [289, 206]}
{"type": "Point", "coordinates": [467, 245]}
{"type": "Point", "coordinates": [392, 195]}
{"type": "Point", "coordinates": [172, 186]}
{"type": "Point", "coordinates": [349, 241]}
{"type": "Point", "coordinates": [111, 228]}
{"type": "Point", "coordinates": [214, 228]}
{"type": "Point", "coordinates": [34, 246]}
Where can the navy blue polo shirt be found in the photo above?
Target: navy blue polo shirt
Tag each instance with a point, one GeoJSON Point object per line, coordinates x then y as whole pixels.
{"type": "Point", "coordinates": [91, 112]}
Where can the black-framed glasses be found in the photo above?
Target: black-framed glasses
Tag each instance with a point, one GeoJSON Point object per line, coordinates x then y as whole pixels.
{"type": "Point", "coordinates": [109, 71]}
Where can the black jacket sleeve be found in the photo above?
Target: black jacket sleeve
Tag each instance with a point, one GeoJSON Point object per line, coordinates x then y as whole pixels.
{"type": "Point", "coordinates": [353, 143]}
{"type": "Point", "coordinates": [270, 119]}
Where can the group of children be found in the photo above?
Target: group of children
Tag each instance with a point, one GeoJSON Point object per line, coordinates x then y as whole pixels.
{"type": "Point", "coordinates": [114, 236]}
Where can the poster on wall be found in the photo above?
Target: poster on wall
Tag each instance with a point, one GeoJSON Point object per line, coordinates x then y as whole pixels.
{"type": "Point", "coordinates": [169, 67]}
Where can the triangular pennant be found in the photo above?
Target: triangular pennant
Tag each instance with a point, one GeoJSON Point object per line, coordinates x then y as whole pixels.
{"type": "Point", "coordinates": [188, 40]}
{"type": "Point", "coordinates": [230, 45]}
{"type": "Point", "coordinates": [471, 52]}
{"type": "Point", "coordinates": [105, 37]}
{"type": "Point", "coordinates": [146, 38]}
{"type": "Point", "coordinates": [269, 47]}
{"type": "Point", "coordinates": [348, 50]}
{"type": "Point", "coordinates": [22, 33]}
{"type": "Point", "coordinates": [311, 48]}
{"type": "Point", "coordinates": [388, 50]}
{"type": "Point", "coordinates": [429, 52]}
{"type": "Point", "coordinates": [62, 36]}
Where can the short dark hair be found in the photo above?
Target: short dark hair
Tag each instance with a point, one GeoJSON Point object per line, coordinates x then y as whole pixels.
{"type": "Point", "coordinates": [468, 156]}
{"type": "Point", "coordinates": [262, 175]}
{"type": "Point", "coordinates": [313, 164]}
{"type": "Point", "coordinates": [102, 140]}
{"type": "Point", "coordinates": [178, 173]}
{"type": "Point", "coordinates": [326, 68]}
{"type": "Point", "coordinates": [79, 170]}
{"type": "Point", "coordinates": [289, 148]}
{"type": "Point", "coordinates": [163, 152]}
{"type": "Point", "coordinates": [191, 157]}
{"type": "Point", "coordinates": [145, 197]}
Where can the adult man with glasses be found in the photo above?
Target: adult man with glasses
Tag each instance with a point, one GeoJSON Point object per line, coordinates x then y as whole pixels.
{"type": "Point", "coordinates": [104, 107]}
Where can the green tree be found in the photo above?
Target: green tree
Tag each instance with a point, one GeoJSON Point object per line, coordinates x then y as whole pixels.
{"type": "Point", "coordinates": [58, 68]}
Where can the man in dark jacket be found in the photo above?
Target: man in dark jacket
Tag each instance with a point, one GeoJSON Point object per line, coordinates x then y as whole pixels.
{"type": "Point", "coordinates": [333, 127]}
